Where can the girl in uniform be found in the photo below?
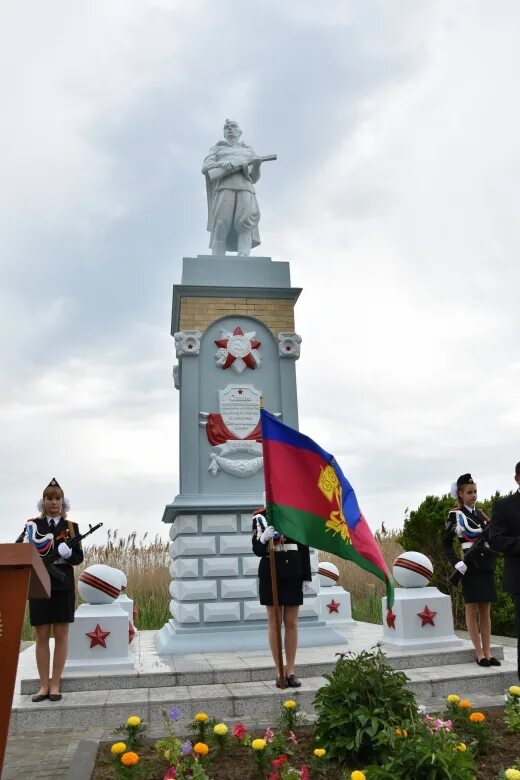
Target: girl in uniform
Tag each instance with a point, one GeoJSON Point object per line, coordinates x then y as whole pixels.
{"type": "Point", "coordinates": [466, 523]}
{"type": "Point", "coordinates": [58, 611]}
{"type": "Point", "coordinates": [293, 575]}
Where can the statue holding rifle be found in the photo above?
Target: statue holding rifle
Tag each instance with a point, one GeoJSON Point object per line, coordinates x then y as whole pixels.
{"type": "Point", "coordinates": [231, 169]}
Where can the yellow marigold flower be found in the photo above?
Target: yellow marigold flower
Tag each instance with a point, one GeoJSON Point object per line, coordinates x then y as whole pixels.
{"type": "Point", "coordinates": [512, 774]}
{"type": "Point", "coordinates": [477, 717]}
{"type": "Point", "coordinates": [220, 729]}
{"type": "Point", "coordinates": [514, 690]}
{"type": "Point", "coordinates": [461, 747]}
{"type": "Point", "coordinates": [129, 759]}
{"type": "Point", "coordinates": [453, 698]}
{"type": "Point", "coordinates": [117, 748]}
{"type": "Point", "coordinates": [133, 720]}
{"type": "Point", "coordinates": [319, 752]}
{"type": "Point", "coordinates": [258, 744]}
{"type": "Point", "coordinates": [357, 775]}
{"type": "Point", "coordinates": [201, 748]}
{"type": "Point", "coordinates": [464, 704]}
{"type": "Point", "coordinates": [290, 704]}
{"type": "Point", "coordinates": [201, 717]}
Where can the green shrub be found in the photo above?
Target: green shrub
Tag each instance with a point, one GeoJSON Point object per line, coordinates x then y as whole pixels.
{"type": "Point", "coordinates": [426, 755]}
{"type": "Point", "coordinates": [363, 698]}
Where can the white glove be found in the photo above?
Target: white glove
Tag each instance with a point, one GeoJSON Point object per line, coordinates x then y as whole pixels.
{"type": "Point", "coordinates": [267, 534]}
{"type": "Point", "coordinates": [461, 567]}
{"type": "Point", "coordinates": [64, 550]}
{"type": "Point", "coordinates": [307, 585]}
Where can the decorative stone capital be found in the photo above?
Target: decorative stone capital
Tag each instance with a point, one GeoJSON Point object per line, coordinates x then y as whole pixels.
{"type": "Point", "coordinates": [177, 376]}
{"type": "Point", "coordinates": [289, 345]}
{"type": "Point", "coordinates": [187, 342]}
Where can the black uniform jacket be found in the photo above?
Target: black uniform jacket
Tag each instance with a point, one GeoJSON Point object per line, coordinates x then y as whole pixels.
{"type": "Point", "coordinates": [61, 534]}
{"type": "Point", "coordinates": [504, 536]}
{"type": "Point", "coordinates": [484, 560]}
{"type": "Point", "coordinates": [291, 564]}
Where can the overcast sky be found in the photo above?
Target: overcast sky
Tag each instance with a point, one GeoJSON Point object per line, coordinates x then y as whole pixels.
{"type": "Point", "coordinates": [395, 197]}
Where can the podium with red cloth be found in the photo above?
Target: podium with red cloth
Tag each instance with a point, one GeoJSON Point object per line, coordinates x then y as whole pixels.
{"type": "Point", "coordinates": [22, 576]}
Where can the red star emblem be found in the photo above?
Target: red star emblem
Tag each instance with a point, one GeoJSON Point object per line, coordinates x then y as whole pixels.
{"type": "Point", "coordinates": [131, 632]}
{"type": "Point", "coordinates": [333, 607]}
{"type": "Point", "coordinates": [390, 618]}
{"type": "Point", "coordinates": [240, 347]}
{"type": "Point", "coordinates": [98, 636]}
{"type": "Point", "coordinates": [426, 616]}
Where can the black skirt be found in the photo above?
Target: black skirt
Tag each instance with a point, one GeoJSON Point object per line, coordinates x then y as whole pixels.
{"type": "Point", "coordinates": [478, 587]}
{"type": "Point", "coordinates": [289, 580]}
{"type": "Point", "coordinates": [59, 608]}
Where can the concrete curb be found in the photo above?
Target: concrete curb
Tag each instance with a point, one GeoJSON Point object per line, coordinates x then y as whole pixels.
{"type": "Point", "coordinates": [83, 760]}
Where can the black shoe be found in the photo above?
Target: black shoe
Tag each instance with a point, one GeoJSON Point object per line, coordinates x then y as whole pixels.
{"type": "Point", "coordinates": [483, 662]}
{"type": "Point", "coordinates": [293, 681]}
{"type": "Point", "coordinates": [55, 697]}
{"type": "Point", "coordinates": [494, 661]}
{"type": "Point", "coordinates": [40, 697]}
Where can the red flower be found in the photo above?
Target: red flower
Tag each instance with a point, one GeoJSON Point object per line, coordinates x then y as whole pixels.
{"type": "Point", "coordinates": [239, 731]}
{"type": "Point", "coordinates": [274, 776]}
{"type": "Point", "coordinates": [278, 762]}
{"type": "Point", "coordinates": [304, 774]}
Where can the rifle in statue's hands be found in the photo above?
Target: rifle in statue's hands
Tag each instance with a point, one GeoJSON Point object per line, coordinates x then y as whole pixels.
{"type": "Point", "coordinates": [217, 172]}
{"type": "Point", "coordinates": [482, 541]}
{"type": "Point", "coordinates": [41, 541]}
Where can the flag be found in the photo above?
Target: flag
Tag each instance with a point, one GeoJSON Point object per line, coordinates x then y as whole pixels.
{"type": "Point", "coordinates": [309, 499]}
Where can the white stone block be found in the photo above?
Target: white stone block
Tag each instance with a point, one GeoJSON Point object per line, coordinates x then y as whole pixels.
{"type": "Point", "coordinates": [220, 567]}
{"type": "Point", "coordinates": [184, 613]}
{"type": "Point", "coordinates": [314, 561]}
{"type": "Point", "coordinates": [194, 545]}
{"type": "Point", "coordinates": [235, 545]}
{"type": "Point", "coordinates": [184, 524]}
{"type": "Point", "coordinates": [310, 608]}
{"type": "Point", "coordinates": [111, 649]}
{"type": "Point", "coordinates": [415, 625]}
{"type": "Point", "coordinates": [238, 589]}
{"type": "Point", "coordinates": [223, 612]}
{"type": "Point", "coordinates": [250, 565]}
{"type": "Point", "coordinates": [193, 590]}
{"type": "Point", "coordinates": [126, 604]}
{"type": "Point", "coordinates": [184, 567]}
{"type": "Point", "coordinates": [170, 549]}
{"type": "Point", "coordinates": [253, 610]}
{"type": "Point", "coordinates": [246, 523]}
{"type": "Point", "coordinates": [218, 524]}
{"type": "Point", "coordinates": [335, 606]}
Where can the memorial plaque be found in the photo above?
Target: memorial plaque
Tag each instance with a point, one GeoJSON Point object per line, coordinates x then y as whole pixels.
{"type": "Point", "coordinates": [239, 407]}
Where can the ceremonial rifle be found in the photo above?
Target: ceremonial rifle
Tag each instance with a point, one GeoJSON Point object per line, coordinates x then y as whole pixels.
{"type": "Point", "coordinates": [53, 555]}
{"type": "Point", "coordinates": [482, 541]}
{"type": "Point", "coordinates": [216, 172]}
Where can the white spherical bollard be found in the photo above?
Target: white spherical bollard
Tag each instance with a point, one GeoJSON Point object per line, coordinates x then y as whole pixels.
{"type": "Point", "coordinates": [412, 570]}
{"type": "Point", "coordinates": [99, 584]}
{"type": "Point", "coordinates": [329, 574]}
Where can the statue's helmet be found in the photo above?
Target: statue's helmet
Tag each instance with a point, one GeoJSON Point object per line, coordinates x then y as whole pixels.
{"type": "Point", "coordinates": [229, 122]}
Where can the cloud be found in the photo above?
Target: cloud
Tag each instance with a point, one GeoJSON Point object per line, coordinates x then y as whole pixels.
{"type": "Point", "coordinates": [394, 196]}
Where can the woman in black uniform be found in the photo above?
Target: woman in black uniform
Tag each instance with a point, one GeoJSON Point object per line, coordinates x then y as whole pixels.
{"type": "Point", "coordinates": [478, 581]}
{"type": "Point", "coordinates": [58, 611]}
{"type": "Point", "coordinates": [293, 575]}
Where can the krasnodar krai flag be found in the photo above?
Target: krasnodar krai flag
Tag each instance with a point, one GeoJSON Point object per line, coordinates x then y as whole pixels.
{"type": "Point", "coordinates": [309, 499]}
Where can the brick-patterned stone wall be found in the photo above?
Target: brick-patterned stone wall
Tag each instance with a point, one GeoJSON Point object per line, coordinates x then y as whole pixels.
{"type": "Point", "coordinates": [199, 313]}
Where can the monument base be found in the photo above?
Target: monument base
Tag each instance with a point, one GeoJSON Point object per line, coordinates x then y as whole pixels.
{"type": "Point", "coordinates": [98, 639]}
{"type": "Point", "coordinates": [335, 607]}
{"type": "Point", "coordinates": [421, 618]}
{"type": "Point", "coordinates": [172, 640]}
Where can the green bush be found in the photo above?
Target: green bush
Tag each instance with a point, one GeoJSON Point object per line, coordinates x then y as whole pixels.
{"type": "Point", "coordinates": [423, 531]}
{"type": "Point", "coordinates": [363, 699]}
{"type": "Point", "coordinates": [425, 755]}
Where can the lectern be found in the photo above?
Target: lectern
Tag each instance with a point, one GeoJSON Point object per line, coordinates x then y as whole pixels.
{"type": "Point", "coordinates": [22, 576]}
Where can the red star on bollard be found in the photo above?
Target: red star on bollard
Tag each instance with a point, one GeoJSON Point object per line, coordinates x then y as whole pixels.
{"type": "Point", "coordinates": [426, 616]}
{"type": "Point", "coordinates": [390, 619]}
{"type": "Point", "coordinates": [98, 636]}
{"type": "Point", "coordinates": [333, 607]}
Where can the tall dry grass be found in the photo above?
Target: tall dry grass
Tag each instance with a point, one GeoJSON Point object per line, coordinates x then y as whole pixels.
{"type": "Point", "coordinates": [365, 589]}
{"type": "Point", "coordinates": [145, 562]}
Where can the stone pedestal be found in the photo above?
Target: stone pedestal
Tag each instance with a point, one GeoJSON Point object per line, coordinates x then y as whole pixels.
{"type": "Point", "coordinates": [420, 618]}
{"type": "Point", "coordinates": [233, 323]}
{"type": "Point", "coordinates": [107, 645]}
{"type": "Point", "coordinates": [335, 607]}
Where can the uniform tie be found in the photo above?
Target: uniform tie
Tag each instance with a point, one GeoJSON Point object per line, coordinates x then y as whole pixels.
{"type": "Point", "coordinates": [52, 524]}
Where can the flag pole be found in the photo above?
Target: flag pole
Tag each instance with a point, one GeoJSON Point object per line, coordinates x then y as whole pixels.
{"type": "Point", "coordinates": [276, 605]}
